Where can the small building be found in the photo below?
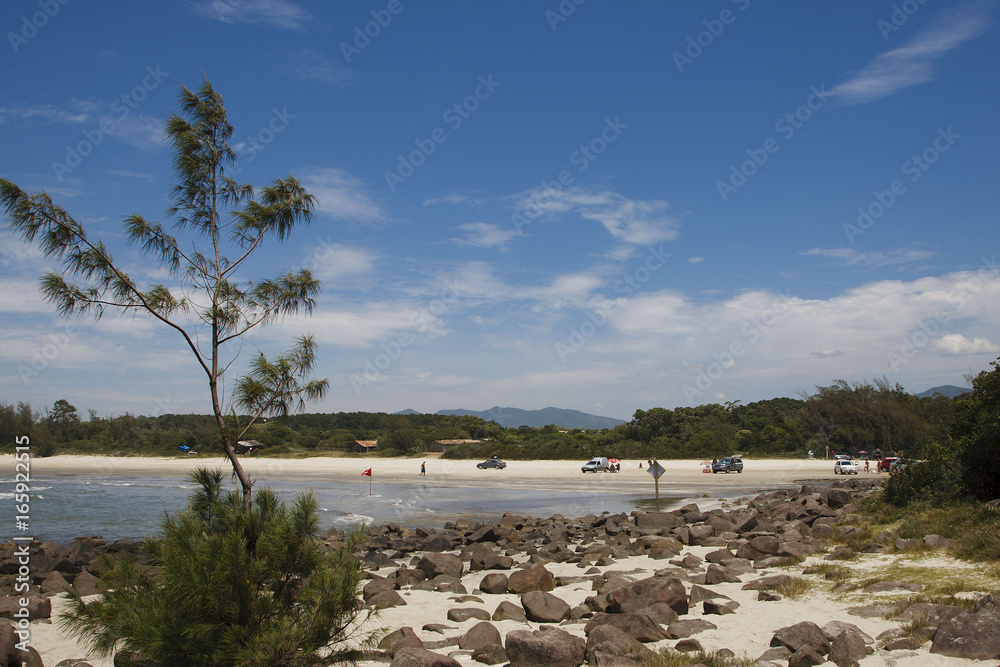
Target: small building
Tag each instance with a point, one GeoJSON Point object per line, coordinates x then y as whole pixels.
{"type": "Point", "coordinates": [441, 445]}
{"type": "Point", "coordinates": [362, 446]}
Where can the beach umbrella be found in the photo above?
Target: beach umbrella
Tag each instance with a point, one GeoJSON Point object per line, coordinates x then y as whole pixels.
{"type": "Point", "coordinates": [612, 460]}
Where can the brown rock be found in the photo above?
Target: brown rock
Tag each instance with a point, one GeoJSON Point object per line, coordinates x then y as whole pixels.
{"type": "Point", "coordinates": [688, 646]}
{"type": "Point", "coordinates": [611, 640]}
{"type": "Point", "coordinates": [805, 657]}
{"type": "Point", "coordinates": [508, 611]}
{"type": "Point", "coordinates": [884, 586]}
{"type": "Point", "coordinates": [385, 599]}
{"type": "Point", "coordinates": [971, 635]}
{"type": "Point", "coordinates": [542, 607]}
{"type": "Point", "coordinates": [495, 583]}
{"type": "Point", "coordinates": [718, 608]}
{"type": "Point", "coordinates": [548, 647]}
{"type": "Point", "coordinates": [420, 657]}
{"type": "Point", "coordinates": [638, 626]}
{"type": "Point", "coordinates": [719, 575]}
{"type": "Point", "coordinates": [847, 649]}
{"type": "Point", "coordinates": [767, 583]}
{"type": "Point", "coordinates": [535, 578]}
{"type": "Point", "coordinates": [460, 614]}
{"type": "Point", "coordinates": [37, 607]}
{"type": "Point", "coordinates": [687, 627]}
{"type": "Point", "coordinates": [480, 635]}
{"type": "Point", "coordinates": [903, 644]}
{"type": "Point", "coordinates": [646, 592]}
{"type": "Point", "coordinates": [435, 564]}
{"type": "Point", "coordinates": [802, 634]}
{"type": "Point", "coordinates": [400, 639]}
{"type": "Point", "coordinates": [660, 613]}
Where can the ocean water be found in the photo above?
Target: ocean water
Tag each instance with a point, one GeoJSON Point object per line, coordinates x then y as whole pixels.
{"type": "Point", "coordinates": [129, 507]}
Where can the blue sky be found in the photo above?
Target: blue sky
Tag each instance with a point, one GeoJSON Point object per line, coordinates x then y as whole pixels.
{"type": "Point", "coordinates": [578, 204]}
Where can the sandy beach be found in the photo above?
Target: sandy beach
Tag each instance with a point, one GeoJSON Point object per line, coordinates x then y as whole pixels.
{"type": "Point", "coordinates": [682, 473]}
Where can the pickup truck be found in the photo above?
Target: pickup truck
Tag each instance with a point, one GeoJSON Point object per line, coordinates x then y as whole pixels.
{"type": "Point", "coordinates": [595, 464]}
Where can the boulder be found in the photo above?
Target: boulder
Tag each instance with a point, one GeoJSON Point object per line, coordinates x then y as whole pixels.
{"type": "Point", "coordinates": [399, 639]}
{"type": "Point", "coordinates": [660, 613]}
{"type": "Point", "coordinates": [376, 586]}
{"type": "Point", "coordinates": [37, 607]}
{"type": "Point", "coordinates": [768, 583]}
{"type": "Point", "coordinates": [657, 520]}
{"type": "Point", "coordinates": [718, 608]}
{"type": "Point", "coordinates": [805, 657]}
{"type": "Point", "coordinates": [495, 583]}
{"type": "Point", "coordinates": [935, 541]}
{"type": "Point", "coordinates": [687, 627]}
{"type": "Point", "coordinates": [535, 578]}
{"type": "Point", "coordinates": [547, 647]}
{"type": "Point", "coordinates": [385, 599]}
{"type": "Point", "coordinates": [837, 498]}
{"type": "Point", "coordinates": [888, 586]}
{"type": "Point", "coordinates": [421, 657]}
{"type": "Point", "coordinates": [435, 564]}
{"type": "Point", "coordinates": [637, 626]}
{"type": "Point", "coordinates": [480, 635]}
{"type": "Point", "coordinates": [542, 607]}
{"type": "Point", "coordinates": [508, 611]}
{"type": "Point", "coordinates": [903, 644]}
{"type": "Point", "coordinates": [971, 635]}
{"type": "Point", "coordinates": [802, 634]}
{"type": "Point", "coordinates": [688, 646]}
{"type": "Point", "coordinates": [719, 575]}
{"type": "Point", "coordinates": [833, 629]}
{"type": "Point", "coordinates": [491, 654]}
{"type": "Point", "coordinates": [847, 649]}
{"type": "Point", "coordinates": [54, 584]}
{"type": "Point", "coordinates": [934, 614]}
{"type": "Point", "coordinates": [460, 614]}
{"type": "Point", "coordinates": [609, 639]}
{"type": "Point", "coordinates": [646, 592]}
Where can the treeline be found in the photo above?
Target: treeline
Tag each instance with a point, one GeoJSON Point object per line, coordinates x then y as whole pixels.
{"type": "Point", "coordinates": [846, 417]}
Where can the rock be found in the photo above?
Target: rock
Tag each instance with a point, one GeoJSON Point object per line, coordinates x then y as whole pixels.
{"type": "Point", "coordinates": [376, 586]}
{"type": "Point", "coordinates": [37, 607]}
{"type": "Point", "coordinates": [971, 635]}
{"type": "Point", "coordinates": [903, 644]}
{"type": "Point", "coordinates": [903, 544]}
{"type": "Point", "coordinates": [660, 613]}
{"type": "Point", "coordinates": [805, 657]}
{"type": "Point", "coordinates": [886, 586]}
{"type": "Point", "coordinates": [54, 584]}
{"type": "Point", "coordinates": [535, 578]}
{"type": "Point", "coordinates": [935, 541]}
{"type": "Point", "coordinates": [718, 608]}
{"type": "Point", "coordinates": [494, 583]}
{"type": "Point", "coordinates": [385, 599]}
{"type": "Point", "coordinates": [935, 614]}
{"type": "Point", "coordinates": [767, 583]}
{"type": "Point", "coordinates": [637, 626]}
{"type": "Point", "coordinates": [547, 647]}
{"type": "Point", "coordinates": [841, 553]}
{"type": "Point", "coordinates": [847, 649]}
{"type": "Point", "coordinates": [73, 662]}
{"type": "Point", "coordinates": [688, 645]}
{"type": "Point", "coordinates": [768, 596]}
{"type": "Point", "coordinates": [646, 592]}
{"type": "Point", "coordinates": [493, 654]}
{"type": "Point", "coordinates": [437, 627]}
{"type": "Point", "coordinates": [837, 498]}
{"type": "Point", "coordinates": [657, 520]}
{"type": "Point", "coordinates": [802, 634]}
{"type": "Point", "coordinates": [420, 657]}
{"type": "Point", "coordinates": [542, 607]}
{"type": "Point", "coordinates": [508, 611]}
{"type": "Point", "coordinates": [777, 653]}
{"type": "Point", "coordinates": [609, 639]}
{"type": "Point", "coordinates": [399, 639]}
{"type": "Point", "coordinates": [435, 564]}
{"type": "Point", "coordinates": [10, 655]}
{"type": "Point", "coordinates": [833, 629]}
{"type": "Point", "coordinates": [480, 635]}
{"type": "Point", "coordinates": [687, 627]}
{"type": "Point", "coordinates": [460, 614]}
{"type": "Point", "coordinates": [719, 575]}
{"type": "Point", "coordinates": [699, 534]}
{"type": "Point", "coordinates": [700, 594]}
{"type": "Point", "coordinates": [719, 556]}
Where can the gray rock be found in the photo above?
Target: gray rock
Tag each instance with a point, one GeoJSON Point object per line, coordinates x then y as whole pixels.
{"type": "Point", "coordinates": [638, 626]}
{"type": "Point", "coordinates": [611, 640]}
{"type": "Point", "coordinates": [833, 629]}
{"type": "Point", "coordinates": [971, 635]}
{"type": "Point", "coordinates": [802, 634]}
{"type": "Point", "coordinates": [460, 614]}
{"type": "Point", "coordinates": [935, 541]}
{"type": "Point", "coordinates": [767, 583]}
{"type": "Point", "coordinates": [887, 586]}
{"type": "Point", "coordinates": [687, 627]}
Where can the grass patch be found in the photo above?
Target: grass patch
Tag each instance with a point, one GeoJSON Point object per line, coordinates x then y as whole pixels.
{"type": "Point", "coordinates": [671, 658]}
{"type": "Point", "coordinates": [795, 588]}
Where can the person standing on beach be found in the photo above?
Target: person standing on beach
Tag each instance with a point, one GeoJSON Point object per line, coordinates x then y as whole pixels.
{"type": "Point", "coordinates": [423, 469]}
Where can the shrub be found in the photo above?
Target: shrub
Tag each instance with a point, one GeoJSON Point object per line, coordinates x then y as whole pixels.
{"type": "Point", "coordinates": [230, 587]}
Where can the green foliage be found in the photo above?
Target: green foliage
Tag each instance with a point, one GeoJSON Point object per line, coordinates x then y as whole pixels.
{"type": "Point", "coordinates": [230, 587]}
{"type": "Point", "coordinates": [936, 479]}
{"type": "Point", "coordinates": [977, 429]}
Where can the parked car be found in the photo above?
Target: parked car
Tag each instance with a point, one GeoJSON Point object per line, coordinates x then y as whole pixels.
{"type": "Point", "coordinates": [845, 467]}
{"type": "Point", "coordinates": [886, 464]}
{"type": "Point", "coordinates": [840, 457]}
{"type": "Point", "coordinates": [492, 463]}
{"type": "Point", "coordinates": [595, 464]}
{"type": "Point", "coordinates": [897, 466]}
{"type": "Point", "coordinates": [728, 464]}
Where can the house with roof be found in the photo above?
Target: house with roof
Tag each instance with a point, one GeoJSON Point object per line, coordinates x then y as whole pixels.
{"type": "Point", "coordinates": [362, 446]}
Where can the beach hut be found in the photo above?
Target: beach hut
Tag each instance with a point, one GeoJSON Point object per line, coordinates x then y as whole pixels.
{"type": "Point", "coordinates": [363, 446]}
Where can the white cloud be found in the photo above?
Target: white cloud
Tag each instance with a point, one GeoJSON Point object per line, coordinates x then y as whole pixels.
{"type": "Point", "coordinates": [635, 222]}
{"type": "Point", "coordinates": [135, 129]}
{"type": "Point", "coordinates": [342, 195]}
{"type": "Point", "coordinates": [271, 13]}
{"type": "Point", "coordinates": [913, 63]}
{"type": "Point", "coordinates": [332, 261]}
{"type": "Point", "coordinates": [453, 199]}
{"type": "Point", "coordinates": [486, 235]}
{"type": "Point", "coordinates": [695, 260]}
{"type": "Point", "coordinates": [852, 257]}
{"type": "Point", "coordinates": [827, 353]}
{"type": "Point", "coordinates": [955, 344]}
{"type": "Point", "coordinates": [314, 65]}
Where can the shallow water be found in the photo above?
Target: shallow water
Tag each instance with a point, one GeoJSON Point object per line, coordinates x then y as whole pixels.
{"type": "Point", "coordinates": [129, 507]}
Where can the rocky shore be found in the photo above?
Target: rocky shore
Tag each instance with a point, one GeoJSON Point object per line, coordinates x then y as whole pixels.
{"type": "Point", "coordinates": [611, 590]}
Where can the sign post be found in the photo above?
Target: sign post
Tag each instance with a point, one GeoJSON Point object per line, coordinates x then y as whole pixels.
{"type": "Point", "coordinates": [656, 470]}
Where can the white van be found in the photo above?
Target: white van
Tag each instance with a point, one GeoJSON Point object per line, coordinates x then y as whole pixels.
{"type": "Point", "coordinates": [595, 464]}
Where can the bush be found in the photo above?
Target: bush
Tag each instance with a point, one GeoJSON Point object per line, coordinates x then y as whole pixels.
{"type": "Point", "coordinates": [936, 480]}
{"type": "Point", "coordinates": [230, 587]}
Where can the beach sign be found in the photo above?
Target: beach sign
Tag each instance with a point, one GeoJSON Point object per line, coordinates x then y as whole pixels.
{"type": "Point", "coordinates": [655, 470]}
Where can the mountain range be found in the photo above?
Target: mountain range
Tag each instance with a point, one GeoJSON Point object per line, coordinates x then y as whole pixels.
{"type": "Point", "coordinates": [516, 417]}
{"type": "Point", "coordinates": [946, 390]}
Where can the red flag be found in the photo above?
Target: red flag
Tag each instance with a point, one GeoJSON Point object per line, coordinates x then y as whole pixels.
{"type": "Point", "coordinates": [367, 472]}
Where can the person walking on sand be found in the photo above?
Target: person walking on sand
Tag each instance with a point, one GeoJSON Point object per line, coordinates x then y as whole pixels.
{"type": "Point", "coordinates": [423, 469]}
{"type": "Point", "coordinates": [866, 466]}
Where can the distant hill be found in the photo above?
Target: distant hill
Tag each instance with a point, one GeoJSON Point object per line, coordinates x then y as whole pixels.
{"type": "Point", "coordinates": [948, 390]}
{"type": "Point", "coordinates": [515, 417]}
{"type": "Point", "coordinates": [407, 411]}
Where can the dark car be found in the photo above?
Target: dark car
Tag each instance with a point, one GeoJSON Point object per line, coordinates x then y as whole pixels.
{"type": "Point", "coordinates": [492, 463]}
{"type": "Point", "coordinates": [728, 464]}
